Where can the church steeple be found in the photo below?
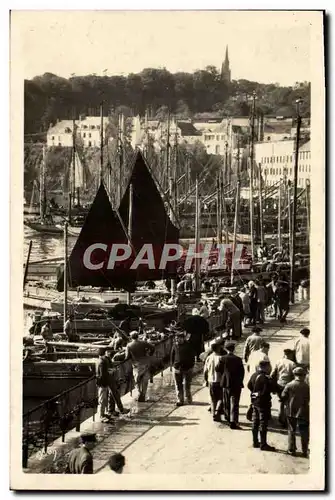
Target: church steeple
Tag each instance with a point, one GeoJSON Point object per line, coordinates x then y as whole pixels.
{"type": "Point", "coordinates": [225, 70]}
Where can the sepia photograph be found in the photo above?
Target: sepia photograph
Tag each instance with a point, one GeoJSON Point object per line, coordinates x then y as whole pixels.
{"type": "Point", "coordinates": [167, 250]}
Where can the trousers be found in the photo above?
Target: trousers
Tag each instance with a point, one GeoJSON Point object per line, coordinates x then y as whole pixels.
{"type": "Point", "coordinates": [236, 324]}
{"type": "Point", "coordinates": [183, 380]}
{"type": "Point", "coordinates": [231, 402]}
{"type": "Point", "coordinates": [114, 397]}
{"type": "Point", "coordinates": [261, 312]}
{"type": "Point", "coordinates": [141, 378]}
{"type": "Point", "coordinates": [260, 420]}
{"type": "Point", "coordinates": [102, 401]}
{"type": "Point", "coordinates": [303, 426]}
{"type": "Point", "coordinates": [215, 392]}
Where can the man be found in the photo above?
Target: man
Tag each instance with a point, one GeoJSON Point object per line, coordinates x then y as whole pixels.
{"type": "Point", "coordinates": [246, 305]}
{"type": "Point", "coordinates": [283, 299]}
{"type": "Point", "coordinates": [114, 397]}
{"type": "Point", "coordinates": [46, 330]}
{"type": "Point", "coordinates": [139, 352]}
{"type": "Point", "coordinates": [68, 330]}
{"type": "Point", "coordinates": [197, 327]}
{"type": "Point", "coordinates": [102, 376]}
{"type": "Point", "coordinates": [260, 388]}
{"type": "Point", "coordinates": [253, 343]}
{"type": "Point", "coordinates": [281, 375]}
{"type": "Point", "coordinates": [117, 463]}
{"type": "Point", "coordinates": [296, 397]}
{"type": "Point", "coordinates": [261, 301]}
{"type": "Point", "coordinates": [271, 290]}
{"type": "Point", "coordinates": [252, 292]}
{"type": "Point", "coordinates": [257, 356]}
{"type": "Point", "coordinates": [301, 349]}
{"type": "Point", "coordinates": [204, 311]}
{"type": "Point", "coordinates": [125, 325]}
{"type": "Point", "coordinates": [232, 375]}
{"type": "Point", "coordinates": [182, 361]}
{"type": "Point", "coordinates": [81, 460]}
{"type": "Point", "coordinates": [212, 378]}
{"type": "Point", "coordinates": [234, 316]}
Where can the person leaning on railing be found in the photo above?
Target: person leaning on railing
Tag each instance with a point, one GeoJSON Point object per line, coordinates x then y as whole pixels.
{"type": "Point", "coordinates": [102, 376]}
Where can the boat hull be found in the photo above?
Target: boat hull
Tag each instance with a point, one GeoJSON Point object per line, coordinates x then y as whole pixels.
{"type": "Point", "coordinates": [44, 228]}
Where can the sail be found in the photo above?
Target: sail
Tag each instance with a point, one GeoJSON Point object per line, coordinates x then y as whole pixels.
{"type": "Point", "coordinates": [88, 264]}
{"type": "Point", "coordinates": [78, 172]}
{"type": "Point", "coordinates": [150, 221]}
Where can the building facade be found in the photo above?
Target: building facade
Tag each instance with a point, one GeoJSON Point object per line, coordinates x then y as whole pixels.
{"type": "Point", "coordinates": [87, 130]}
{"type": "Point", "coordinates": [276, 160]}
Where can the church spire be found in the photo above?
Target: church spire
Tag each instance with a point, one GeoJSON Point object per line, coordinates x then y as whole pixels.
{"type": "Point", "coordinates": [225, 69]}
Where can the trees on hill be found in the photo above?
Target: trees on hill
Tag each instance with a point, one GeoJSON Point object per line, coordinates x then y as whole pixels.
{"type": "Point", "coordinates": [50, 97]}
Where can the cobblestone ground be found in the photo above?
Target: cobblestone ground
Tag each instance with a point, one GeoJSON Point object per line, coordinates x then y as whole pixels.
{"type": "Point", "coordinates": [159, 438]}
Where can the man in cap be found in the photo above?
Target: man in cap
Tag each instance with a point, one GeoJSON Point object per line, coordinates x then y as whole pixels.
{"type": "Point", "coordinates": [281, 375]}
{"type": "Point", "coordinates": [198, 328]}
{"type": "Point", "coordinates": [261, 354]}
{"type": "Point", "coordinates": [139, 352]}
{"type": "Point", "coordinates": [114, 396]}
{"type": "Point", "coordinates": [212, 379]}
{"type": "Point", "coordinates": [296, 398]}
{"type": "Point", "coordinates": [301, 349]}
{"type": "Point", "coordinates": [81, 460]}
{"type": "Point", "coordinates": [253, 343]}
{"type": "Point", "coordinates": [234, 316]}
{"type": "Point", "coordinates": [232, 374]}
{"type": "Point", "coordinates": [182, 360]}
{"type": "Point", "coordinates": [260, 387]}
{"type": "Point", "coordinates": [117, 463]}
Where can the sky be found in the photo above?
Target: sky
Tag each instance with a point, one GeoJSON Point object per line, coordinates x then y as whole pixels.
{"type": "Point", "coordinates": [263, 46]}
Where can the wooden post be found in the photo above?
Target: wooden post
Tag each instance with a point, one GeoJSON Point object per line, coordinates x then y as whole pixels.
{"type": "Point", "coordinates": [197, 234]}
{"type": "Point", "coordinates": [130, 226]}
{"type": "Point", "coordinates": [219, 210]}
{"type": "Point", "coordinates": [260, 203]}
{"type": "Point", "coordinates": [237, 203]}
{"type": "Point", "coordinates": [294, 207]}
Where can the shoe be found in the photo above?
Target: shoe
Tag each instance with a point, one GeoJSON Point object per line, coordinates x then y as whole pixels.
{"type": "Point", "coordinates": [267, 447]}
{"type": "Point", "coordinates": [189, 401]}
{"type": "Point", "coordinates": [256, 445]}
{"type": "Point", "coordinates": [141, 399]}
{"type": "Point", "coordinates": [292, 453]}
{"type": "Point", "coordinates": [125, 411]}
{"type": "Point", "coordinates": [104, 420]}
{"type": "Point", "coordinates": [216, 418]}
{"type": "Point", "coordinates": [235, 426]}
{"type": "Point", "coordinates": [210, 409]}
{"type": "Point", "coordinates": [304, 454]}
{"type": "Point", "coordinates": [179, 403]}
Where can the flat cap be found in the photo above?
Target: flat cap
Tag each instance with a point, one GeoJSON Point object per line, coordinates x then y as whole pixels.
{"type": "Point", "coordinates": [305, 331]}
{"type": "Point", "coordinates": [88, 437]}
{"type": "Point", "coordinates": [299, 371]}
{"type": "Point", "coordinates": [256, 329]}
{"type": "Point", "coordinates": [230, 345]}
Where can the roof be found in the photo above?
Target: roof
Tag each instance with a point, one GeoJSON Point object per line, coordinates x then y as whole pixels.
{"type": "Point", "coordinates": [187, 129]}
{"type": "Point", "coordinates": [60, 127]}
{"type": "Point", "coordinates": [278, 127]}
{"type": "Point", "coordinates": [306, 146]}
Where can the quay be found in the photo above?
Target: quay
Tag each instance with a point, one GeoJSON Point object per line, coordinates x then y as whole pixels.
{"type": "Point", "coordinates": [160, 438]}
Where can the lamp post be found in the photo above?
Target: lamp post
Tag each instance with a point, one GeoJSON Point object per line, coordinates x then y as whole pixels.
{"type": "Point", "coordinates": [294, 207]}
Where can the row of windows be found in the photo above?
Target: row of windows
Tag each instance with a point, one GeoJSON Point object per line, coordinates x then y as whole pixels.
{"type": "Point", "coordinates": [287, 171]}
{"type": "Point", "coordinates": [89, 143]}
{"type": "Point", "coordinates": [303, 155]}
{"type": "Point", "coordinates": [212, 137]}
{"type": "Point", "coordinates": [301, 182]}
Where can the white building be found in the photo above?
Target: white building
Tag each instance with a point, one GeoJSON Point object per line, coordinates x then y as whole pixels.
{"type": "Point", "coordinates": [87, 129]}
{"type": "Point", "coordinates": [276, 159]}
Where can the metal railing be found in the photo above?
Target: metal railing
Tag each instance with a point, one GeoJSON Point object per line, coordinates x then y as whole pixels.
{"type": "Point", "coordinates": [57, 416]}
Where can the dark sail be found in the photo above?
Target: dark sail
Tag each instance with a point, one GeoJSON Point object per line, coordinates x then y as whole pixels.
{"type": "Point", "coordinates": [101, 227]}
{"type": "Point", "coordinates": [150, 221]}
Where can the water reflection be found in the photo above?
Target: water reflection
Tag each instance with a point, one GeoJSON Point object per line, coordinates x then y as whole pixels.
{"type": "Point", "coordinates": [45, 246]}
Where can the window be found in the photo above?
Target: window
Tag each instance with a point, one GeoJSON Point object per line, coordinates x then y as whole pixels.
{"type": "Point", "coordinates": [280, 171]}
{"type": "Point", "coordinates": [269, 138]}
{"type": "Point", "coordinates": [84, 135]}
{"type": "Point", "coordinates": [299, 168]}
{"type": "Point", "coordinates": [276, 171]}
{"type": "Point", "coordinates": [98, 127]}
{"type": "Point", "coordinates": [59, 137]}
{"type": "Point", "coordinates": [280, 159]}
{"type": "Point", "coordinates": [59, 144]}
{"type": "Point", "coordinates": [277, 159]}
{"type": "Point", "coordinates": [217, 150]}
{"type": "Point", "coordinates": [53, 138]}
{"type": "Point", "coordinates": [89, 144]}
{"type": "Point", "coordinates": [89, 135]}
{"type": "Point", "coordinates": [222, 137]}
{"type": "Point", "coordinates": [290, 171]}
{"type": "Point", "coordinates": [92, 127]}
{"type": "Point", "coordinates": [309, 169]}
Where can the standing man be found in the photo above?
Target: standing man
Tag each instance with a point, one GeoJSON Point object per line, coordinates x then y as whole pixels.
{"type": "Point", "coordinates": [81, 460]}
{"type": "Point", "coordinates": [114, 396]}
{"type": "Point", "coordinates": [261, 301]}
{"type": "Point", "coordinates": [197, 327]}
{"type": "Point", "coordinates": [257, 356]}
{"type": "Point", "coordinates": [182, 361]}
{"type": "Point", "coordinates": [301, 349]}
{"type": "Point", "coordinates": [283, 298]}
{"type": "Point", "coordinates": [139, 352]}
{"type": "Point", "coordinates": [271, 289]}
{"type": "Point", "coordinates": [260, 388]}
{"type": "Point", "coordinates": [102, 376]}
{"type": "Point", "coordinates": [212, 379]}
{"type": "Point", "coordinates": [253, 343]}
{"type": "Point", "coordinates": [232, 375]}
{"type": "Point", "coordinates": [281, 375]}
{"type": "Point", "coordinates": [234, 316]}
{"type": "Point", "coordinates": [296, 397]}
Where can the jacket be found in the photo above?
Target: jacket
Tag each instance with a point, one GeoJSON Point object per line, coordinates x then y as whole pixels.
{"type": "Point", "coordinates": [232, 371]}
{"type": "Point", "coordinates": [301, 349]}
{"type": "Point", "coordinates": [102, 372]}
{"type": "Point", "coordinates": [283, 372]}
{"type": "Point", "coordinates": [80, 462]}
{"type": "Point", "coordinates": [260, 387]}
{"type": "Point", "coordinates": [296, 397]}
{"type": "Point", "coordinates": [183, 356]}
{"type": "Point", "coordinates": [138, 350]}
{"type": "Point", "coordinates": [211, 375]}
{"type": "Point", "coordinates": [253, 343]}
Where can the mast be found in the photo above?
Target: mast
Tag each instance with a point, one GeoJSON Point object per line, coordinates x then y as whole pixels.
{"type": "Point", "coordinates": [42, 186]}
{"type": "Point", "coordinates": [237, 203]}
{"type": "Point", "coordinates": [130, 226]}
{"type": "Point", "coordinates": [65, 272]}
{"type": "Point", "coordinates": [225, 216]}
{"type": "Point", "coordinates": [252, 174]}
{"type": "Point", "coordinates": [308, 188]}
{"type": "Point", "coordinates": [279, 217]}
{"type": "Point", "coordinates": [172, 187]}
{"type": "Point", "coordinates": [27, 264]}
{"type": "Point", "coordinates": [289, 216]}
{"type": "Point", "coordinates": [168, 149]}
{"type": "Point", "coordinates": [120, 152]}
{"type": "Point", "coordinates": [294, 208]}
{"type": "Point", "coordinates": [197, 234]}
{"type": "Point", "coordinates": [73, 187]}
{"type": "Point", "coordinates": [219, 209]}
{"type": "Point", "coordinates": [260, 203]}
{"type": "Point", "coordinates": [101, 142]}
